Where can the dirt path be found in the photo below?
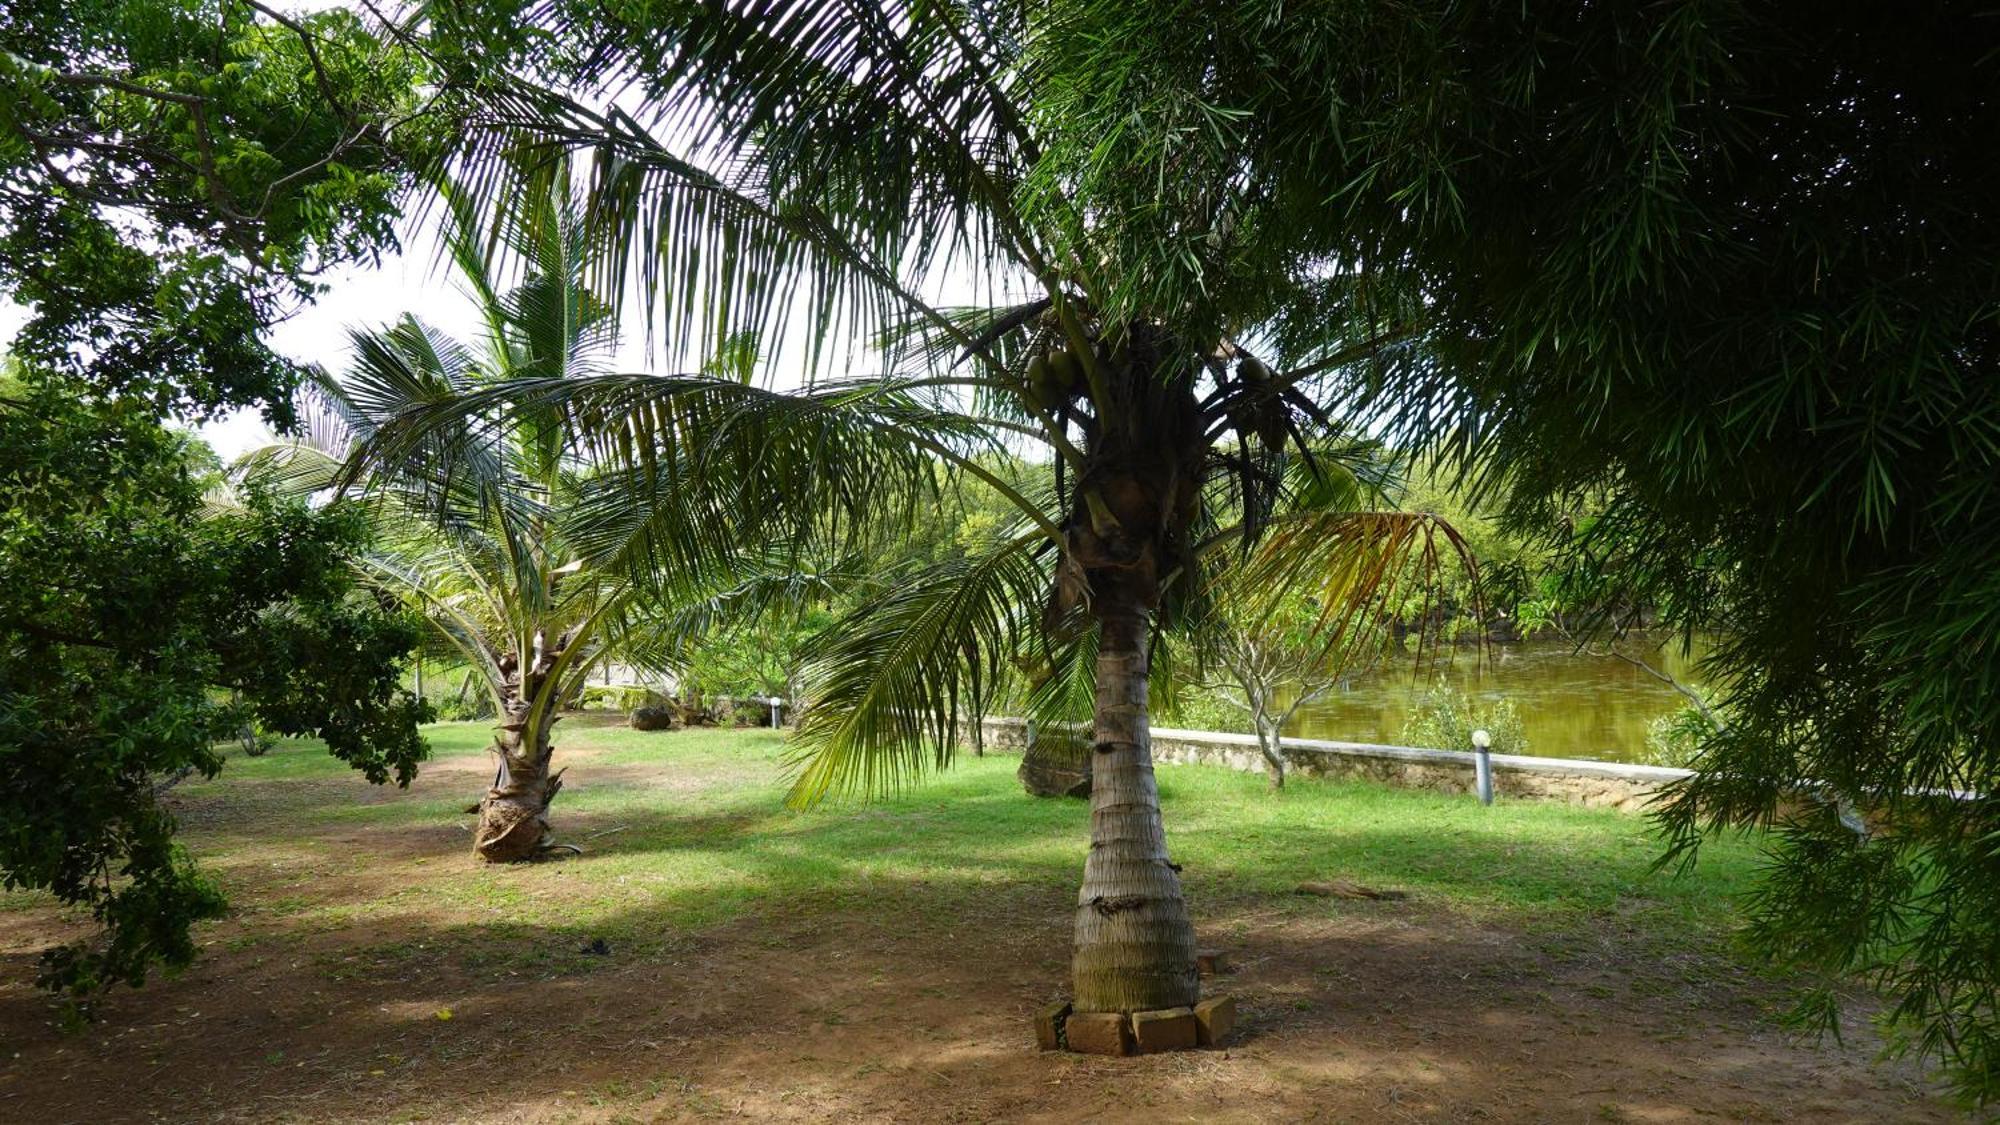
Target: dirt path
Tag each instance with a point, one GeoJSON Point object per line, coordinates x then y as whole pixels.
{"type": "Point", "coordinates": [1373, 1011]}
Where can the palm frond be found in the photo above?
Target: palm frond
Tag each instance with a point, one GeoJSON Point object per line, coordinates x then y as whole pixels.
{"type": "Point", "coordinates": [760, 589]}
{"type": "Point", "coordinates": [289, 468]}
{"type": "Point", "coordinates": [463, 631]}
{"type": "Point", "coordinates": [815, 464]}
{"type": "Point", "coordinates": [895, 681]}
{"type": "Point", "coordinates": [1353, 566]}
{"type": "Point", "coordinates": [307, 460]}
{"type": "Point", "coordinates": [823, 155]}
{"type": "Point", "coordinates": [1062, 681]}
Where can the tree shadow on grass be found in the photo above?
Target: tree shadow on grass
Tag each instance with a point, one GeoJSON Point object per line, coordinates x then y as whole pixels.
{"type": "Point", "coordinates": [893, 997]}
{"type": "Point", "coordinates": [882, 962]}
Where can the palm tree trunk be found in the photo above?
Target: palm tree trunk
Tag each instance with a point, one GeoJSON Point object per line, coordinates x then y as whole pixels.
{"type": "Point", "coordinates": [1134, 941]}
{"type": "Point", "coordinates": [514, 817]}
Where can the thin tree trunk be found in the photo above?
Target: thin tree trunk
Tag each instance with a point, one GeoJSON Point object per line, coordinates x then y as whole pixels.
{"type": "Point", "coordinates": [1134, 941]}
{"type": "Point", "coordinates": [1269, 735]}
{"type": "Point", "coordinates": [464, 689]}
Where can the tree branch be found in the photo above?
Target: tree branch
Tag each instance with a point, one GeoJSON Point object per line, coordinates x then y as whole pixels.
{"type": "Point", "coordinates": [56, 636]}
{"type": "Point", "coordinates": [1693, 697]}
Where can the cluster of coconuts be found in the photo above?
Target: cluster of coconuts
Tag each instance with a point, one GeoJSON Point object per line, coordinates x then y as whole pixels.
{"type": "Point", "coordinates": [1053, 378]}
{"type": "Point", "coordinates": [1056, 377]}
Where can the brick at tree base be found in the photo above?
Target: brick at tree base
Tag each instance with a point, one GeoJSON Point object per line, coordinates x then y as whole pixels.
{"type": "Point", "coordinates": [1049, 1025]}
{"type": "Point", "coordinates": [1098, 1033]}
{"type": "Point", "coordinates": [1211, 961]}
{"type": "Point", "coordinates": [1168, 1029]}
{"type": "Point", "coordinates": [1214, 1018]}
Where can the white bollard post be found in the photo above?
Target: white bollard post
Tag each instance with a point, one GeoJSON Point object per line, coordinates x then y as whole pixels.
{"type": "Point", "coordinates": [1483, 758]}
{"type": "Point", "coordinates": [776, 706]}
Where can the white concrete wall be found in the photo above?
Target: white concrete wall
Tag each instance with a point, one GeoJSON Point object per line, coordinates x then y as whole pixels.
{"type": "Point", "coordinates": [1573, 780]}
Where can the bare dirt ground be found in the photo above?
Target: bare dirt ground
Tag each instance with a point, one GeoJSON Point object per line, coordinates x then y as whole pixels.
{"type": "Point", "coordinates": [816, 1011]}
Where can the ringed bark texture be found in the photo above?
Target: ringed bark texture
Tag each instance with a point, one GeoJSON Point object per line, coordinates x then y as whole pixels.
{"type": "Point", "coordinates": [514, 816]}
{"type": "Point", "coordinates": [1134, 948]}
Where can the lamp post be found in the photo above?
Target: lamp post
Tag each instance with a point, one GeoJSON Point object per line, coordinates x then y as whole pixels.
{"type": "Point", "coordinates": [1482, 744]}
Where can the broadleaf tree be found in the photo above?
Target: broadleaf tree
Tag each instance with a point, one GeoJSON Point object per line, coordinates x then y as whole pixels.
{"type": "Point", "coordinates": [136, 603]}
{"type": "Point", "coordinates": [173, 176]}
{"type": "Point", "coordinates": [176, 175]}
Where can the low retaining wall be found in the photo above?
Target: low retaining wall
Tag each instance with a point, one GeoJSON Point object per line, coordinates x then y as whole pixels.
{"type": "Point", "coordinates": [1576, 781]}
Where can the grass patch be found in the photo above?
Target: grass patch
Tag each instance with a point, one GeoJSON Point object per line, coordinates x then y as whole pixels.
{"type": "Point", "coordinates": [715, 952]}
{"type": "Point", "coordinates": [687, 830]}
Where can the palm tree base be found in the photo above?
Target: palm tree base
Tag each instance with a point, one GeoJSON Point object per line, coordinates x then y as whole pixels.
{"type": "Point", "coordinates": [1205, 1024]}
{"type": "Point", "coordinates": [509, 831]}
{"type": "Point", "coordinates": [1056, 765]}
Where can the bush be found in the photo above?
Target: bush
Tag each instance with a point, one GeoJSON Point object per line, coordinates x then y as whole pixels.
{"type": "Point", "coordinates": [1198, 707]}
{"type": "Point", "coordinates": [1676, 739]}
{"type": "Point", "coordinates": [751, 712]}
{"type": "Point", "coordinates": [472, 705]}
{"type": "Point", "coordinates": [1446, 717]}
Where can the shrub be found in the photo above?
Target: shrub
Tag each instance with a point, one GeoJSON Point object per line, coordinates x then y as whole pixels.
{"type": "Point", "coordinates": [473, 705]}
{"type": "Point", "coordinates": [1445, 718]}
{"type": "Point", "coordinates": [1197, 707]}
{"type": "Point", "coordinates": [1676, 739]}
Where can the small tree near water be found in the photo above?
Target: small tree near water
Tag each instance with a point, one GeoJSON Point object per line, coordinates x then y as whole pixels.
{"type": "Point", "coordinates": [1269, 669]}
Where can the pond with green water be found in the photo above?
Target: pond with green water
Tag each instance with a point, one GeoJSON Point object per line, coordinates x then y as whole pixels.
{"type": "Point", "coordinates": [1572, 704]}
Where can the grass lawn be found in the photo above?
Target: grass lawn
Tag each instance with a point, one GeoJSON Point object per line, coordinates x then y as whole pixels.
{"type": "Point", "coordinates": [881, 960]}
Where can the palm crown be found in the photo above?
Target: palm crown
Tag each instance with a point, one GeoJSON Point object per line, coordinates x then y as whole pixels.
{"type": "Point", "coordinates": [496, 532]}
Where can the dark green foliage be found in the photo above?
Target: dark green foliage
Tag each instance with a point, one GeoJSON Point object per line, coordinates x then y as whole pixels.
{"type": "Point", "coordinates": [762, 657]}
{"type": "Point", "coordinates": [173, 173]}
{"type": "Point", "coordinates": [1730, 265]}
{"type": "Point", "coordinates": [127, 615]}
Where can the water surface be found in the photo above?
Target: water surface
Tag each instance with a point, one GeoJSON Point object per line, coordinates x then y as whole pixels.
{"type": "Point", "coordinates": [1572, 705]}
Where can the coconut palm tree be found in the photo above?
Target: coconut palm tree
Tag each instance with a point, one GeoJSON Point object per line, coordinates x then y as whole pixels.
{"type": "Point", "coordinates": [485, 541]}
{"type": "Point", "coordinates": [819, 165]}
